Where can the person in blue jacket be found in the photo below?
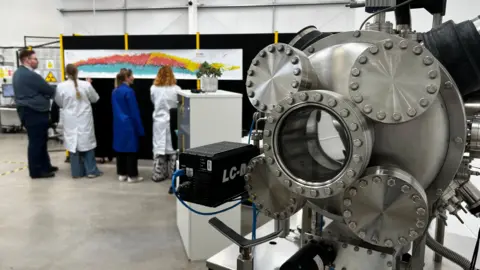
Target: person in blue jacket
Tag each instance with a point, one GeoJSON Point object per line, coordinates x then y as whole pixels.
{"type": "Point", "coordinates": [127, 127]}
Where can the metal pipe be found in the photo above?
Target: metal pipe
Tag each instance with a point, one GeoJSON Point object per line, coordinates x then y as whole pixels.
{"type": "Point", "coordinates": [284, 226]}
{"type": "Point", "coordinates": [326, 3]}
{"type": "Point", "coordinates": [439, 237]}
{"type": "Point", "coordinates": [437, 20]}
{"type": "Point", "coordinates": [380, 18]}
{"type": "Point", "coordinates": [125, 17]}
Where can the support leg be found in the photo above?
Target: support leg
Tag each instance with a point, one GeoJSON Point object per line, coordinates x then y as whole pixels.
{"type": "Point", "coordinates": [439, 236]}
{"type": "Point", "coordinates": [418, 254]}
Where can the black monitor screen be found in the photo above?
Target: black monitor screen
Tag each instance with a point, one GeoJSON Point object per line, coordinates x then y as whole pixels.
{"type": "Point", "coordinates": [7, 90]}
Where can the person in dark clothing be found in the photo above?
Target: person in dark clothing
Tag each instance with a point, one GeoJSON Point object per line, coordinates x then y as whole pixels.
{"type": "Point", "coordinates": [127, 127]}
{"type": "Point", "coordinates": [32, 97]}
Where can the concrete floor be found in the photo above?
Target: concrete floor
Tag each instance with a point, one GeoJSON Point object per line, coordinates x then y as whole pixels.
{"type": "Point", "coordinates": [63, 223]}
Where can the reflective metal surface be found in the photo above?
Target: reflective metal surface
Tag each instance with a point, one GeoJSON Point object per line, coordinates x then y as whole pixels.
{"type": "Point", "coordinates": [394, 81]}
{"type": "Point", "coordinates": [276, 72]}
{"type": "Point", "coordinates": [386, 207]}
{"type": "Point", "coordinates": [270, 196]}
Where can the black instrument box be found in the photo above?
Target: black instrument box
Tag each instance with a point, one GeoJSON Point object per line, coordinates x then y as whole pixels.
{"type": "Point", "coordinates": [214, 173]}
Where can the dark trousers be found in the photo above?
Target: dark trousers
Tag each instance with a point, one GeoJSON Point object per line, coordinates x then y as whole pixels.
{"type": "Point", "coordinates": [127, 164]}
{"type": "Point", "coordinates": [36, 124]}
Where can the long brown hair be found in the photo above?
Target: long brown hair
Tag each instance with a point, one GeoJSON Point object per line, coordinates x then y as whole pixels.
{"type": "Point", "coordinates": [122, 76]}
{"type": "Point", "coordinates": [72, 74]}
{"type": "Point", "coordinates": [165, 77]}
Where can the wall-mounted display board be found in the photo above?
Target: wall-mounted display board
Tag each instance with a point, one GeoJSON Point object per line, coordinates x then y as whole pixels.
{"type": "Point", "coordinates": [146, 63]}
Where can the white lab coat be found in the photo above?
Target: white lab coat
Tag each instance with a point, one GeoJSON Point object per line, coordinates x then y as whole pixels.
{"type": "Point", "coordinates": [163, 98]}
{"type": "Point", "coordinates": [78, 129]}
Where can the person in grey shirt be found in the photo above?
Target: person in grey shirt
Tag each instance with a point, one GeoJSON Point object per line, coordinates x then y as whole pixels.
{"type": "Point", "coordinates": [32, 97]}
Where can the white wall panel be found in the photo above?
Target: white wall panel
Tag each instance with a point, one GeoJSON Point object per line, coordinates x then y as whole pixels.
{"type": "Point", "coordinates": [234, 20]}
{"type": "Point", "coordinates": [155, 3]}
{"type": "Point", "coordinates": [102, 23]}
{"type": "Point", "coordinates": [85, 4]}
{"type": "Point", "coordinates": [157, 22]}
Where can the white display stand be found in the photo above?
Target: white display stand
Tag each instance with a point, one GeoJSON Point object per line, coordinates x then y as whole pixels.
{"type": "Point", "coordinates": [204, 119]}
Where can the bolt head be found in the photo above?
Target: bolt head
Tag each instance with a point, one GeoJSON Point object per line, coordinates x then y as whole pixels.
{"type": "Point", "coordinates": [328, 191]}
{"type": "Point", "coordinates": [270, 160]}
{"type": "Point", "coordinates": [356, 33]}
{"type": "Point", "coordinates": [344, 113]}
{"type": "Point", "coordinates": [263, 107]}
{"type": "Point", "coordinates": [352, 225]}
{"type": "Point", "coordinates": [427, 60]}
{"type": "Point", "coordinates": [449, 84]}
{"type": "Point", "coordinates": [411, 112]}
{"type": "Point", "coordinates": [266, 147]}
{"type": "Point", "coordinates": [391, 182]}
{"type": "Point", "coordinates": [363, 183]}
{"type": "Point", "coordinates": [352, 192]}
{"type": "Point", "coordinates": [287, 183]}
{"type": "Point", "coordinates": [389, 264]}
{"type": "Point", "coordinates": [420, 224]}
{"type": "Point", "coordinates": [421, 211]}
{"type": "Point", "coordinates": [353, 126]}
{"type": "Point", "coordinates": [347, 202]}
{"type": "Point", "coordinates": [295, 84]}
{"type": "Point", "coordinates": [413, 234]}
{"type": "Point", "coordinates": [347, 214]}
{"type": "Point", "coordinates": [295, 60]}
{"type": "Point", "coordinates": [397, 116]}
{"type": "Point", "coordinates": [415, 198]}
{"type": "Point", "coordinates": [432, 74]}
{"type": "Point", "coordinates": [290, 101]}
{"type": "Point", "coordinates": [357, 142]}
{"type": "Point", "coordinates": [373, 50]}
{"type": "Point", "coordinates": [355, 72]}
{"type": "Point", "coordinates": [248, 187]}
{"type": "Point", "coordinates": [317, 97]}
{"type": "Point", "coordinates": [271, 48]}
{"type": "Point", "coordinates": [255, 62]}
{"type": "Point", "coordinates": [280, 47]}
{"type": "Point", "coordinates": [362, 235]}
{"type": "Point", "coordinates": [439, 192]}
{"type": "Point", "coordinates": [293, 201]}
{"type": "Point", "coordinates": [311, 49]}
{"type": "Point", "coordinates": [376, 180]}
{"type": "Point", "coordinates": [403, 44]}
{"type": "Point", "coordinates": [255, 102]}
{"type": "Point", "coordinates": [251, 72]}
{"type": "Point", "coordinates": [332, 102]}
{"type": "Point", "coordinates": [297, 71]}
{"type": "Point", "coordinates": [351, 173]}
{"type": "Point", "coordinates": [356, 249]}
{"type": "Point", "coordinates": [381, 115]}
{"type": "Point", "coordinates": [362, 59]}
{"type": "Point", "coordinates": [354, 86]}
{"type": "Point", "coordinates": [278, 173]}
{"type": "Point", "coordinates": [251, 94]}
{"type": "Point", "coordinates": [289, 51]}
{"type": "Point", "coordinates": [303, 96]}
{"type": "Point", "coordinates": [458, 140]}
{"type": "Point", "coordinates": [357, 159]}
{"type": "Point", "coordinates": [388, 243]}
{"type": "Point", "coordinates": [388, 44]}
{"type": "Point", "coordinates": [405, 189]}
{"type": "Point", "coordinates": [402, 240]}
{"type": "Point", "coordinates": [418, 50]}
{"type": "Point", "coordinates": [279, 108]}
{"type": "Point", "coordinates": [267, 133]}
{"type": "Point", "coordinates": [367, 109]}
{"type": "Point", "coordinates": [314, 193]}
{"type": "Point", "coordinates": [424, 102]}
{"type": "Point", "coordinates": [369, 252]}
{"type": "Point", "coordinates": [262, 53]}
{"type": "Point", "coordinates": [432, 89]}
{"type": "Point", "coordinates": [358, 98]}
{"type": "Point", "coordinates": [270, 119]}
{"type": "Point", "coordinates": [300, 190]}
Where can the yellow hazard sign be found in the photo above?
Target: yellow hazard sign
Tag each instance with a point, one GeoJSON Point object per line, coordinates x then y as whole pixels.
{"type": "Point", "coordinates": [50, 78]}
{"type": "Point", "coordinates": [50, 64]}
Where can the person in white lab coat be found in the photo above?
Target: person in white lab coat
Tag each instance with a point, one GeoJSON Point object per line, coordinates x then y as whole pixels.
{"type": "Point", "coordinates": [164, 97]}
{"type": "Point", "coordinates": [75, 98]}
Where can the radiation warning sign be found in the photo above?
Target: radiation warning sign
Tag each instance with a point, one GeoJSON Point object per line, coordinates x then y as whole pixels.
{"type": "Point", "coordinates": [50, 77]}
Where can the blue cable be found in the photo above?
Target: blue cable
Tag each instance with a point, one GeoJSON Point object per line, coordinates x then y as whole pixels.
{"type": "Point", "coordinates": [178, 173]}
{"type": "Point", "coordinates": [251, 130]}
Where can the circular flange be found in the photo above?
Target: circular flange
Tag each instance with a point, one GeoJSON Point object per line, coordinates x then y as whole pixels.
{"type": "Point", "coordinates": [386, 207]}
{"type": "Point", "coordinates": [358, 137]}
{"type": "Point", "coordinates": [395, 82]}
{"type": "Point", "coordinates": [270, 197]}
{"type": "Point", "coordinates": [276, 72]}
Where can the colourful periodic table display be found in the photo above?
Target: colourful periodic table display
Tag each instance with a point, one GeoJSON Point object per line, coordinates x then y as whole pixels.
{"type": "Point", "coordinates": [145, 63]}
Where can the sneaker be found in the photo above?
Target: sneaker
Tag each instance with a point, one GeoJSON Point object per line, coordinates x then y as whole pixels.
{"type": "Point", "coordinates": [135, 179]}
{"type": "Point", "coordinates": [95, 175]}
{"type": "Point", "coordinates": [122, 178]}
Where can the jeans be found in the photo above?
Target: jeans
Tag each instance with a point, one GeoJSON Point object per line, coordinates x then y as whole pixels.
{"type": "Point", "coordinates": [127, 164]}
{"type": "Point", "coordinates": [36, 124]}
{"type": "Point", "coordinates": [84, 164]}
